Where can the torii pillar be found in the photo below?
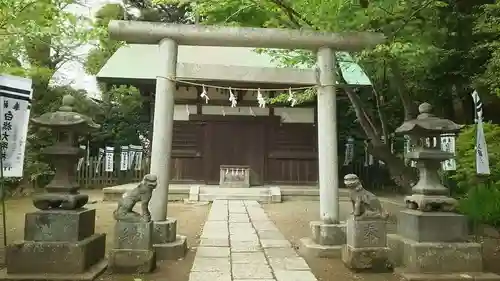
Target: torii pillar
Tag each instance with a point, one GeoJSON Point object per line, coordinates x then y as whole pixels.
{"type": "Point", "coordinates": [327, 233]}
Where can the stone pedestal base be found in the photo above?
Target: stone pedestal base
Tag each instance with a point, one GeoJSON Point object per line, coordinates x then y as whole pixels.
{"type": "Point", "coordinates": [366, 247]}
{"type": "Point", "coordinates": [59, 245]}
{"type": "Point", "coordinates": [433, 246]}
{"type": "Point", "coordinates": [373, 259]}
{"type": "Point", "coordinates": [133, 248]}
{"type": "Point", "coordinates": [131, 261]}
{"type": "Point", "coordinates": [166, 243]}
{"type": "Point", "coordinates": [55, 257]}
{"type": "Point", "coordinates": [476, 276]}
{"type": "Point", "coordinates": [435, 257]}
{"type": "Point", "coordinates": [326, 240]}
{"type": "Point", "coordinates": [89, 275]}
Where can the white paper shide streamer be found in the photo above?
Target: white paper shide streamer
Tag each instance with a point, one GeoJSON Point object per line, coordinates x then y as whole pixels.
{"type": "Point", "coordinates": [349, 151]}
{"type": "Point", "coordinates": [204, 94]}
{"type": "Point", "coordinates": [482, 159]}
{"type": "Point", "coordinates": [232, 98]}
{"type": "Point", "coordinates": [15, 100]}
{"type": "Point", "coordinates": [109, 159]}
{"type": "Point", "coordinates": [260, 99]}
{"type": "Point", "coordinates": [291, 98]}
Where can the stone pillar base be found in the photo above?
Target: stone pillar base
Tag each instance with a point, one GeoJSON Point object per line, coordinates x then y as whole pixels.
{"type": "Point", "coordinates": [310, 248]}
{"type": "Point", "coordinates": [131, 261]}
{"type": "Point", "coordinates": [173, 250]}
{"type": "Point", "coordinates": [374, 259]}
{"type": "Point", "coordinates": [326, 240]}
{"type": "Point", "coordinates": [166, 243]}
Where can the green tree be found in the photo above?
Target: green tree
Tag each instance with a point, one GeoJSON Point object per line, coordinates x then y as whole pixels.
{"type": "Point", "coordinates": [36, 39]}
{"type": "Point", "coordinates": [438, 66]}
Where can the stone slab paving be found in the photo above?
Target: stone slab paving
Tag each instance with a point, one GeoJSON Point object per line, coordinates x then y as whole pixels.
{"type": "Point", "coordinates": [240, 243]}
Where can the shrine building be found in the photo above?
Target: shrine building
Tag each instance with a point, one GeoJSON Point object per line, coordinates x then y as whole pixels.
{"type": "Point", "coordinates": [277, 142]}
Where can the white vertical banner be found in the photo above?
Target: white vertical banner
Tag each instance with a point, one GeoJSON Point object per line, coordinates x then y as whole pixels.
{"type": "Point", "coordinates": [382, 139]}
{"type": "Point", "coordinates": [99, 160]}
{"type": "Point", "coordinates": [349, 151]}
{"type": "Point", "coordinates": [135, 155]}
{"type": "Point", "coordinates": [448, 145]}
{"type": "Point", "coordinates": [482, 159]}
{"type": "Point", "coordinates": [15, 101]}
{"type": "Point", "coordinates": [131, 156]}
{"type": "Point", "coordinates": [109, 159]}
{"type": "Point", "coordinates": [139, 154]}
{"type": "Point", "coordinates": [82, 159]}
{"type": "Point", "coordinates": [368, 156]}
{"type": "Point", "coordinates": [124, 158]}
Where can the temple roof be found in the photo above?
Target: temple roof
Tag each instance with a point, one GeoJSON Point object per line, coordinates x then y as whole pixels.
{"type": "Point", "coordinates": [140, 63]}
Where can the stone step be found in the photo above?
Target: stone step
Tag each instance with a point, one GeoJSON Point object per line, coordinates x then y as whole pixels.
{"type": "Point", "coordinates": [260, 194]}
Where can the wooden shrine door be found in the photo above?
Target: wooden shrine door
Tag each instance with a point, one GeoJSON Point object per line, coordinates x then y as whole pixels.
{"type": "Point", "coordinates": [235, 142]}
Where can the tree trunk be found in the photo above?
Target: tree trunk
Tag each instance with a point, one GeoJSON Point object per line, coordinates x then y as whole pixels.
{"type": "Point", "coordinates": [402, 175]}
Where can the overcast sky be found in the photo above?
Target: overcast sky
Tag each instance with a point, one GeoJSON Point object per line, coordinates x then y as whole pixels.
{"type": "Point", "coordinates": [72, 73]}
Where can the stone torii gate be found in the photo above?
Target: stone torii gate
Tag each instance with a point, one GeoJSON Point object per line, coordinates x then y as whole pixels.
{"type": "Point", "coordinates": [169, 36]}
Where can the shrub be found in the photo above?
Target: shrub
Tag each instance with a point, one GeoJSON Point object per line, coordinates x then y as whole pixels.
{"type": "Point", "coordinates": [482, 204]}
{"type": "Point", "coordinates": [480, 194]}
{"type": "Point", "coordinates": [465, 175]}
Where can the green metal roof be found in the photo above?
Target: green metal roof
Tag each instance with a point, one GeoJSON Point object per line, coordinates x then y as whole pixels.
{"type": "Point", "coordinates": [140, 62]}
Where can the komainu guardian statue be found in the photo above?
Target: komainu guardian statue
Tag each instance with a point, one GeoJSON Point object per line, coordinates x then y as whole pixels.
{"type": "Point", "coordinates": [364, 203]}
{"type": "Point", "coordinates": [142, 193]}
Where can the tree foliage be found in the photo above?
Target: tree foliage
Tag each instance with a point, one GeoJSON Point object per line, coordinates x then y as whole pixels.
{"type": "Point", "coordinates": [36, 39]}
{"type": "Point", "coordinates": [456, 53]}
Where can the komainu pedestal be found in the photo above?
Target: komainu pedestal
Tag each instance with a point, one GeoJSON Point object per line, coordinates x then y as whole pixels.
{"type": "Point", "coordinates": [57, 245]}
{"type": "Point", "coordinates": [133, 248]}
{"type": "Point", "coordinates": [366, 247]}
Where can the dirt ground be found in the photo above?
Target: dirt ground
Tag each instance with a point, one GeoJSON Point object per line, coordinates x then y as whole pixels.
{"type": "Point", "coordinates": [292, 218]}
{"type": "Point", "coordinates": [190, 221]}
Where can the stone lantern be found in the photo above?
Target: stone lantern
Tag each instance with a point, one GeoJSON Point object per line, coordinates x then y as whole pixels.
{"type": "Point", "coordinates": [59, 242]}
{"type": "Point", "coordinates": [62, 191]}
{"type": "Point", "coordinates": [428, 194]}
{"type": "Point", "coordinates": [432, 242]}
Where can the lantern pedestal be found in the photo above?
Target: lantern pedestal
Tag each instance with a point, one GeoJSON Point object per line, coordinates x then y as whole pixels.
{"type": "Point", "coordinates": [58, 245]}
{"type": "Point", "coordinates": [434, 246]}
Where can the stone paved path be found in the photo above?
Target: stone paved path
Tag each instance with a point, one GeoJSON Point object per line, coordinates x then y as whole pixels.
{"type": "Point", "coordinates": [240, 243]}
